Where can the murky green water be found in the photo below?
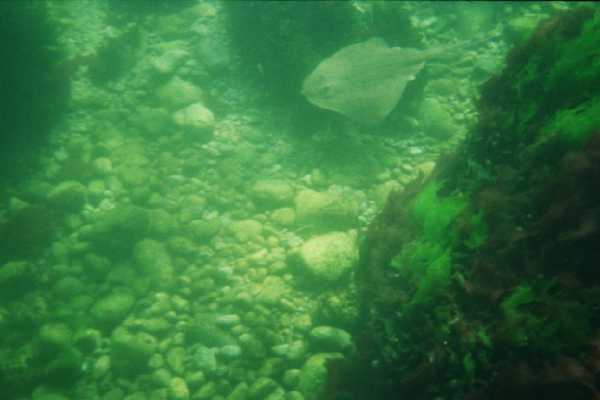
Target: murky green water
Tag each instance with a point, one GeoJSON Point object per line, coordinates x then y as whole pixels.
{"type": "Point", "coordinates": [180, 219]}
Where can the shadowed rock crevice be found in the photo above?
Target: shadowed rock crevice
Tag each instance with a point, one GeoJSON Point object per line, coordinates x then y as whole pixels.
{"type": "Point", "coordinates": [35, 87]}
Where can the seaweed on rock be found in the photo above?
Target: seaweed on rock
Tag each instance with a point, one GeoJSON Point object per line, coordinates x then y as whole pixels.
{"type": "Point", "coordinates": [482, 282]}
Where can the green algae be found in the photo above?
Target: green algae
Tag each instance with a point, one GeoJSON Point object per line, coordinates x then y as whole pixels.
{"type": "Point", "coordinates": [435, 214]}
{"type": "Point", "coordinates": [576, 124]}
{"type": "Point", "coordinates": [479, 231]}
{"type": "Point", "coordinates": [577, 66]}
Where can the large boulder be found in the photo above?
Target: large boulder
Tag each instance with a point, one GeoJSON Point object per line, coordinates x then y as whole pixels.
{"type": "Point", "coordinates": [325, 211]}
{"type": "Point", "coordinates": [130, 352]}
{"type": "Point", "coordinates": [271, 193]}
{"type": "Point", "coordinates": [327, 258]}
{"type": "Point", "coordinates": [67, 196]}
{"type": "Point", "coordinates": [313, 374]}
{"type": "Point", "coordinates": [169, 60]}
{"type": "Point", "coordinates": [437, 119]}
{"type": "Point", "coordinates": [154, 262]}
{"type": "Point", "coordinates": [197, 120]}
{"type": "Point", "coordinates": [112, 309]}
{"type": "Point", "coordinates": [117, 230]}
{"type": "Point", "coordinates": [246, 230]}
{"type": "Point", "coordinates": [179, 93]}
{"type": "Point", "coordinates": [328, 338]}
{"type": "Point", "coordinates": [14, 273]}
{"type": "Point", "coordinates": [52, 339]}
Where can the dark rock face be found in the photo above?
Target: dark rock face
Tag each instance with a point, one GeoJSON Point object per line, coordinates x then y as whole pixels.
{"type": "Point", "coordinates": [27, 233]}
{"type": "Point", "coordinates": [35, 86]}
{"type": "Point", "coordinates": [514, 314]}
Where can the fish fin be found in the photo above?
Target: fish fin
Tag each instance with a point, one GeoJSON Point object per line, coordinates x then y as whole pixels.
{"type": "Point", "coordinates": [356, 52]}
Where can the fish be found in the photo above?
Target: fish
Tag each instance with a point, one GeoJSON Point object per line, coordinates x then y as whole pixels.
{"type": "Point", "coordinates": [364, 81]}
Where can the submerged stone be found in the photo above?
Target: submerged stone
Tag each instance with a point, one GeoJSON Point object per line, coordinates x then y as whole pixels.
{"type": "Point", "coordinates": [112, 309]}
{"type": "Point", "coordinates": [326, 258]}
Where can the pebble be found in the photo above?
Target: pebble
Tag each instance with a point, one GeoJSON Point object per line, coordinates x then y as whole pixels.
{"type": "Point", "coordinates": [103, 165]}
{"type": "Point", "coordinates": [176, 360]}
{"type": "Point", "coordinates": [227, 320]}
{"type": "Point", "coordinates": [207, 391]}
{"type": "Point", "coordinates": [230, 351]}
{"type": "Point", "coordinates": [178, 389]}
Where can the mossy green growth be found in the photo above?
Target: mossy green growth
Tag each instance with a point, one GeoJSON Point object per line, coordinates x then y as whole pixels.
{"type": "Point", "coordinates": [436, 278]}
{"type": "Point", "coordinates": [425, 266]}
{"type": "Point", "coordinates": [575, 75]}
{"type": "Point", "coordinates": [534, 317]}
{"type": "Point", "coordinates": [578, 62]}
{"type": "Point", "coordinates": [479, 231]}
{"type": "Point", "coordinates": [469, 367]}
{"type": "Point", "coordinates": [435, 214]}
{"type": "Point", "coordinates": [576, 124]}
{"type": "Point", "coordinates": [426, 262]}
{"type": "Point", "coordinates": [520, 323]}
{"type": "Point", "coordinates": [415, 257]}
{"type": "Point", "coordinates": [484, 338]}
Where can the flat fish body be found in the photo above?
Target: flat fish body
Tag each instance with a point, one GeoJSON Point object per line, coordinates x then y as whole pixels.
{"type": "Point", "coordinates": [364, 81]}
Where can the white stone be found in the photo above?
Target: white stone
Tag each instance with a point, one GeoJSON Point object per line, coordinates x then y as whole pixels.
{"type": "Point", "coordinates": [195, 118]}
{"type": "Point", "coordinates": [103, 165]}
{"type": "Point", "coordinates": [325, 211]}
{"type": "Point", "coordinates": [178, 389]}
{"type": "Point", "coordinates": [178, 93]}
{"type": "Point", "coordinates": [168, 61]}
{"type": "Point", "coordinates": [271, 193]}
{"type": "Point", "coordinates": [327, 258]}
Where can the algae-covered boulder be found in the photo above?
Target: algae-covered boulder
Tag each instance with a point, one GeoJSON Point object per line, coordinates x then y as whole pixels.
{"type": "Point", "coordinates": [130, 352]}
{"type": "Point", "coordinates": [313, 374]}
{"type": "Point", "coordinates": [204, 229]}
{"type": "Point", "coordinates": [197, 120]}
{"type": "Point", "coordinates": [328, 338]}
{"type": "Point", "coordinates": [67, 196]}
{"type": "Point", "coordinates": [271, 193]}
{"type": "Point", "coordinates": [110, 310]}
{"type": "Point", "coordinates": [239, 392]}
{"type": "Point", "coordinates": [325, 211]}
{"type": "Point", "coordinates": [327, 258]}
{"type": "Point", "coordinates": [64, 368]}
{"type": "Point", "coordinates": [168, 61]}
{"type": "Point", "coordinates": [437, 119]}
{"type": "Point", "coordinates": [117, 230]}
{"type": "Point", "coordinates": [151, 122]}
{"type": "Point", "coordinates": [285, 217]}
{"type": "Point", "coordinates": [14, 273]}
{"type": "Point", "coordinates": [50, 396]}
{"type": "Point", "coordinates": [178, 389]}
{"type": "Point", "coordinates": [246, 230]}
{"type": "Point", "coordinates": [270, 290]}
{"type": "Point", "coordinates": [55, 356]}
{"type": "Point", "coordinates": [179, 93]}
{"type": "Point", "coordinates": [154, 262]}
{"type": "Point", "coordinates": [162, 224]}
{"type": "Point", "coordinates": [262, 388]}
{"type": "Point", "coordinates": [203, 330]}
{"type": "Point", "coordinates": [52, 339]}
